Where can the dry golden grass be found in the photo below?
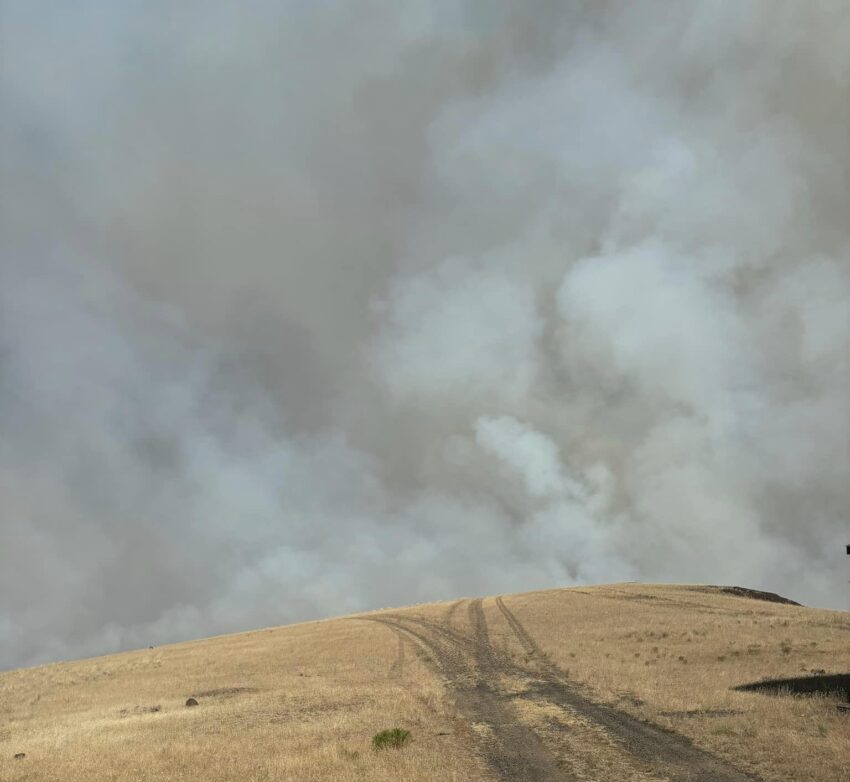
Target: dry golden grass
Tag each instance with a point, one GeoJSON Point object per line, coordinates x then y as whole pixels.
{"type": "Point", "coordinates": [665, 653]}
{"type": "Point", "coordinates": [310, 697]}
{"type": "Point", "coordinates": [303, 702]}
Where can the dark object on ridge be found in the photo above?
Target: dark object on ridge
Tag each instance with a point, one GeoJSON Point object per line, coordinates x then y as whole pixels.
{"type": "Point", "coordinates": [191, 702]}
{"type": "Point", "coordinates": [757, 594]}
{"type": "Point", "coordinates": [20, 755]}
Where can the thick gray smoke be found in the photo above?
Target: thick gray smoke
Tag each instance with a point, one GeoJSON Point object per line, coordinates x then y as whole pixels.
{"type": "Point", "coordinates": [313, 307]}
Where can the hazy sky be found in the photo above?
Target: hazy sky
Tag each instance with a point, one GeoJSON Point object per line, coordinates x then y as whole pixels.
{"type": "Point", "coordinates": [314, 307]}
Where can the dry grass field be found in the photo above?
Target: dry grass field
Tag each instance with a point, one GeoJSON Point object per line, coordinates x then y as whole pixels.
{"type": "Point", "coordinates": [619, 682]}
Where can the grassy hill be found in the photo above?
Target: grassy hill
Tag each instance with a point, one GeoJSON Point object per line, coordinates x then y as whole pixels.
{"type": "Point", "coordinates": [616, 682]}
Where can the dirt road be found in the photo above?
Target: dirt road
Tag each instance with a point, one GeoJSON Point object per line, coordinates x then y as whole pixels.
{"type": "Point", "coordinates": [531, 724]}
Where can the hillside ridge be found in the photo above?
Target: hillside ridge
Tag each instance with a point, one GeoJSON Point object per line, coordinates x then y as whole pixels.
{"type": "Point", "coordinates": [625, 681]}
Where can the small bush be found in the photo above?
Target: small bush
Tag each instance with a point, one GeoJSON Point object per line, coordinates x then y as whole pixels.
{"type": "Point", "coordinates": [391, 739]}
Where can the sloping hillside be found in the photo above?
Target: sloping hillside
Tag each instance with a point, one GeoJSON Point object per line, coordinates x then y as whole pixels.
{"type": "Point", "coordinates": [618, 682]}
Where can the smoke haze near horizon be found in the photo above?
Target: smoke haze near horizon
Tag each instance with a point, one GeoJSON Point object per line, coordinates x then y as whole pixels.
{"type": "Point", "coordinates": [311, 308]}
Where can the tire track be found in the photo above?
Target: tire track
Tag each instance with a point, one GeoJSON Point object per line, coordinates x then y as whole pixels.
{"type": "Point", "coordinates": [448, 634]}
{"type": "Point", "coordinates": [478, 622]}
{"type": "Point", "coordinates": [659, 601]}
{"type": "Point", "coordinates": [667, 752]}
{"type": "Point", "coordinates": [484, 651]}
{"type": "Point", "coordinates": [525, 640]}
{"type": "Point", "coordinates": [472, 667]}
{"type": "Point", "coordinates": [430, 650]}
{"type": "Point", "coordinates": [450, 612]}
{"type": "Point", "coordinates": [397, 668]}
{"type": "Point", "coordinates": [511, 749]}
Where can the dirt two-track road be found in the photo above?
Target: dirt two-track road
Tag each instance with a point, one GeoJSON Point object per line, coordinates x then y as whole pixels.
{"type": "Point", "coordinates": [491, 686]}
{"type": "Point", "coordinates": [607, 683]}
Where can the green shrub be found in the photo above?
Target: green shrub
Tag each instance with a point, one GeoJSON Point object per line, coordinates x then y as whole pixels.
{"type": "Point", "coordinates": [391, 739]}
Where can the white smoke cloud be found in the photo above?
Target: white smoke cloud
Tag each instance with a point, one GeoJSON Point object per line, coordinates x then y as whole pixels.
{"type": "Point", "coordinates": [564, 529]}
{"type": "Point", "coordinates": [646, 316]}
{"type": "Point", "coordinates": [312, 308]}
{"type": "Point", "coordinates": [530, 454]}
{"type": "Point", "coordinates": [460, 331]}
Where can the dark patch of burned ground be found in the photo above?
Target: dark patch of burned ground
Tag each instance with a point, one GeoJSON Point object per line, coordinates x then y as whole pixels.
{"type": "Point", "coordinates": [137, 710]}
{"type": "Point", "coordinates": [837, 684]}
{"type": "Point", "coordinates": [472, 666]}
{"type": "Point", "coordinates": [751, 594]}
{"type": "Point", "coordinates": [225, 692]}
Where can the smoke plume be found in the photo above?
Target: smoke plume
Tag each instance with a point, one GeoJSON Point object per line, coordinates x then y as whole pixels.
{"type": "Point", "coordinates": [310, 308]}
